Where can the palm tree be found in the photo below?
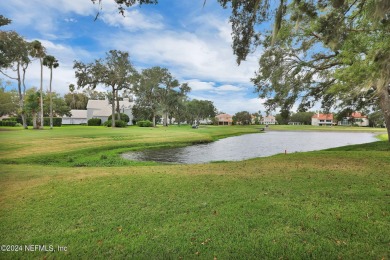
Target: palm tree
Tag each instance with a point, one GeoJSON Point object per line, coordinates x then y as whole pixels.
{"type": "Point", "coordinates": [38, 51]}
{"type": "Point", "coordinates": [50, 62]}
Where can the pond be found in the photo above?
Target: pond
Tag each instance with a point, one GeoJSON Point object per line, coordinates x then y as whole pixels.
{"type": "Point", "coordinates": [248, 146]}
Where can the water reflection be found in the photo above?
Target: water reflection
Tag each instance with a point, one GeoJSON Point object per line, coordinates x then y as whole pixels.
{"type": "Point", "coordinates": [248, 146]}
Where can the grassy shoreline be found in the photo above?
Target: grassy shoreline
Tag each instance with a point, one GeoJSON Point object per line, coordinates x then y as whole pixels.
{"type": "Point", "coordinates": [324, 204]}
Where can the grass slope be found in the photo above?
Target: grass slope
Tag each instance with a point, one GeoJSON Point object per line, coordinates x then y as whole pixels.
{"type": "Point", "coordinates": [326, 204]}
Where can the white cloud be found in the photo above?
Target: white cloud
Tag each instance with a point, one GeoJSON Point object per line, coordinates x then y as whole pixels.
{"type": "Point", "coordinates": [197, 85]}
{"type": "Point", "coordinates": [70, 20]}
{"type": "Point", "coordinates": [132, 20]}
{"type": "Point", "coordinates": [188, 54]}
{"type": "Point", "coordinates": [228, 88]}
{"type": "Point", "coordinates": [64, 74]}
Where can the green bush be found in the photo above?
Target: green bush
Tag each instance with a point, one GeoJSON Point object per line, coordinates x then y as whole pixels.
{"type": "Point", "coordinates": [57, 121]}
{"type": "Point", "coordinates": [28, 120]}
{"type": "Point", "coordinates": [10, 119]}
{"type": "Point", "coordinates": [94, 122]}
{"type": "Point", "coordinates": [124, 117]}
{"type": "Point", "coordinates": [118, 123]}
{"type": "Point", "coordinates": [145, 123]}
{"type": "Point", "coordinates": [8, 123]}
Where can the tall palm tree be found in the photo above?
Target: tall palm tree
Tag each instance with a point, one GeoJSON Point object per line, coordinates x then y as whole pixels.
{"type": "Point", "coordinates": [50, 62]}
{"type": "Point", "coordinates": [38, 51]}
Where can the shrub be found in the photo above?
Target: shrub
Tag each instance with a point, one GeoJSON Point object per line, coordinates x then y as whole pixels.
{"type": "Point", "coordinates": [145, 123]}
{"type": "Point", "coordinates": [57, 121]}
{"type": "Point", "coordinates": [8, 123]}
{"type": "Point", "coordinates": [94, 122]}
{"type": "Point", "coordinates": [118, 123]}
{"type": "Point", "coordinates": [28, 120]}
{"type": "Point", "coordinates": [10, 119]}
{"type": "Point", "coordinates": [124, 117]}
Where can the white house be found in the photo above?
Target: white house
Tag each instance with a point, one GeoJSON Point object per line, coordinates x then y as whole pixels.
{"type": "Point", "coordinates": [268, 120]}
{"type": "Point", "coordinates": [98, 109]}
{"type": "Point", "coordinates": [102, 109]}
{"type": "Point", "coordinates": [322, 119]}
{"type": "Point", "coordinates": [78, 117]}
{"type": "Point", "coordinates": [356, 118]}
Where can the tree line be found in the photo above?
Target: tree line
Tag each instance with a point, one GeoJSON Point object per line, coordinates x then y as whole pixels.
{"type": "Point", "coordinates": [335, 52]}
{"type": "Point", "coordinates": [158, 93]}
{"type": "Point", "coordinates": [16, 54]}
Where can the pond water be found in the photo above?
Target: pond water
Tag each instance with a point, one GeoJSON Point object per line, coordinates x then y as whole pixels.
{"type": "Point", "coordinates": [248, 146]}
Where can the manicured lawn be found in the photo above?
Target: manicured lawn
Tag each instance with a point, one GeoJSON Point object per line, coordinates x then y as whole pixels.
{"type": "Point", "coordinates": [328, 204]}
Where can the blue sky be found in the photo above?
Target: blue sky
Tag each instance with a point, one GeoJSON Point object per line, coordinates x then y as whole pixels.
{"type": "Point", "coordinates": [192, 41]}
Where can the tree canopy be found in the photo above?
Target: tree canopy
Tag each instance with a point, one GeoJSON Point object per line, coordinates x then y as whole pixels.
{"type": "Point", "coordinates": [158, 92]}
{"type": "Point", "coordinates": [242, 118]}
{"type": "Point", "coordinates": [115, 71]}
{"type": "Point", "coordinates": [14, 58]}
{"type": "Point", "coordinates": [332, 51]}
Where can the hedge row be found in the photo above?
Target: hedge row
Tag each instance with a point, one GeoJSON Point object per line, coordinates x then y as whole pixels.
{"type": "Point", "coordinates": [57, 121]}
{"type": "Point", "coordinates": [8, 123]}
{"type": "Point", "coordinates": [123, 117]}
{"type": "Point", "coordinates": [94, 122]}
{"type": "Point", "coordinates": [12, 121]}
{"type": "Point", "coordinates": [118, 123]}
{"type": "Point", "coordinates": [145, 123]}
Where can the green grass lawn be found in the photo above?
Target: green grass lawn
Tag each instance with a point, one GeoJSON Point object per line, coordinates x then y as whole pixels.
{"type": "Point", "coordinates": [68, 187]}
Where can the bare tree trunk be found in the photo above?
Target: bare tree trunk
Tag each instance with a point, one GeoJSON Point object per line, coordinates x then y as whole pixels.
{"type": "Point", "coordinates": [41, 125]}
{"type": "Point", "coordinates": [384, 101]}
{"type": "Point", "coordinates": [51, 100]}
{"type": "Point", "coordinates": [117, 106]}
{"type": "Point", "coordinates": [154, 119]}
{"type": "Point", "coordinates": [21, 99]}
{"type": "Point", "coordinates": [23, 95]}
{"type": "Point", "coordinates": [34, 120]}
{"type": "Point", "coordinates": [165, 118]}
{"type": "Point", "coordinates": [113, 107]}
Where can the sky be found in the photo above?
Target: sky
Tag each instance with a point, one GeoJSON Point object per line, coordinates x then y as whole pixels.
{"type": "Point", "coordinates": [191, 40]}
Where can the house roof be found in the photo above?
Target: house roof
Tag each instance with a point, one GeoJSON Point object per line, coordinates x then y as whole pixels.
{"type": "Point", "coordinates": [77, 114]}
{"type": "Point", "coordinates": [357, 115]}
{"type": "Point", "coordinates": [323, 116]}
{"type": "Point", "coordinates": [269, 117]}
{"type": "Point", "coordinates": [224, 117]}
{"type": "Point", "coordinates": [103, 108]}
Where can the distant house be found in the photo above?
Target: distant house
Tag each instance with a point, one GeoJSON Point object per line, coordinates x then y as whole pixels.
{"type": "Point", "coordinates": [295, 123]}
{"type": "Point", "coordinates": [224, 119]}
{"type": "Point", "coordinates": [98, 109]}
{"type": "Point", "coordinates": [268, 120]}
{"type": "Point", "coordinates": [102, 109]}
{"type": "Point", "coordinates": [322, 119]}
{"type": "Point", "coordinates": [355, 118]}
{"type": "Point", "coordinates": [78, 117]}
{"type": "Point", "coordinates": [206, 121]}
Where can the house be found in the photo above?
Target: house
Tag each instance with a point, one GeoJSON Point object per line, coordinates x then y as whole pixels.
{"type": "Point", "coordinates": [224, 119]}
{"type": "Point", "coordinates": [295, 123]}
{"type": "Point", "coordinates": [206, 121]}
{"type": "Point", "coordinates": [322, 119]}
{"type": "Point", "coordinates": [268, 120]}
{"type": "Point", "coordinates": [78, 117]}
{"type": "Point", "coordinates": [356, 118]}
{"type": "Point", "coordinates": [102, 109]}
{"type": "Point", "coordinates": [98, 109]}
